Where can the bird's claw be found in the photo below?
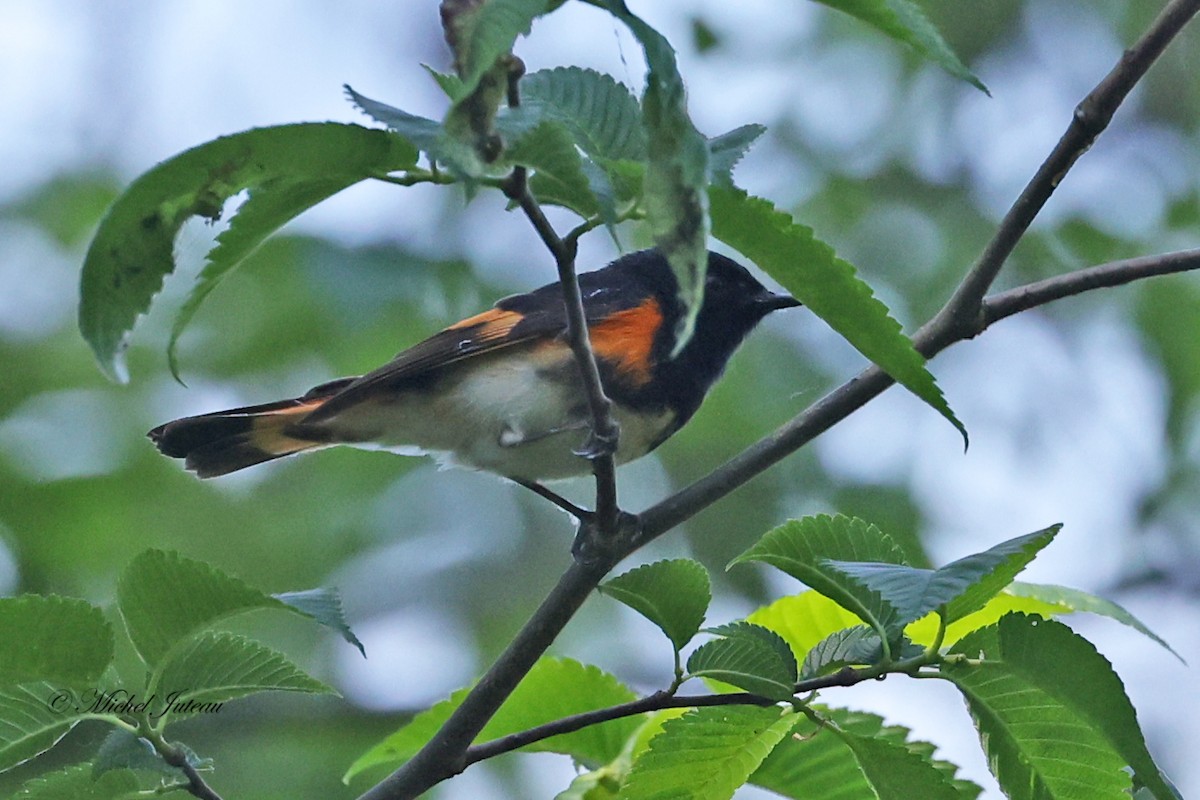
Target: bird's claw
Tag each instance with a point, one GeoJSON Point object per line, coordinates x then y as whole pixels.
{"type": "Point", "coordinates": [600, 443]}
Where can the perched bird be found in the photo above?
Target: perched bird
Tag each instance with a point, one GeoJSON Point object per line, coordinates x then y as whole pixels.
{"type": "Point", "coordinates": [500, 391]}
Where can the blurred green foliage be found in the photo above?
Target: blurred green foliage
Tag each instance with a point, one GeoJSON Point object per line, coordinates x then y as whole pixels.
{"type": "Point", "coordinates": [81, 492]}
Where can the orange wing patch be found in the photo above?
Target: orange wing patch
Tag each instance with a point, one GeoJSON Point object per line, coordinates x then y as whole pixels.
{"type": "Point", "coordinates": [626, 338]}
{"type": "Point", "coordinates": [491, 324]}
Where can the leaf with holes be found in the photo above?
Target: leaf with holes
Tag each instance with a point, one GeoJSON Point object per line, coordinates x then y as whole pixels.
{"type": "Point", "coordinates": [285, 169]}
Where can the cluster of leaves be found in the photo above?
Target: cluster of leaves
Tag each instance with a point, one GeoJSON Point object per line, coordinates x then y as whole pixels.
{"type": "Point", "coordinates": [64, 671]}
{"type": "Point", "coordinates": [587, 143]}
{"type": "Point", "coordinates": [1051, 713]}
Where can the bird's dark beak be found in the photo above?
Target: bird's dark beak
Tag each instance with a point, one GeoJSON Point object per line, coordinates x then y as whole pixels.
{"type": "Point", "coordinates": [769, 301]}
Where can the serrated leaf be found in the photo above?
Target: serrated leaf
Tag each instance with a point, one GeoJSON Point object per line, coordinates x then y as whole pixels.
{"type": "Point", "coordinates": [558, 177]}
{"type": "Point", "coordinates": [133, 250]}
{"type": "Point", "coordinates": [674, 190]}
{"type": "Point", "coordinates": [924, 631]}
{"type": "Point", "coordinates": [895, 773]}
{"type": "Point", "coordinates": [904, 21]}
{"type": "Point", "coordinates": [804, 548]}
{"type": "Point", "coordinates": [554, 688]}
{"type": "Point", "coordinates": [968, 582]}
{"type": "Point", "coordinates": [1014, 555]}
{"type": "Point", "coordinates": [33, 717]}
{"type": "Point", "coordinates": [748, 656]}
{"type": "Point", "coordinates": [672, 594]}
{"type": "Point", "coordinates": [603, 117]}
{"type": "Point", "coordinates": [1052, 715]}
{"type": "Point", "coordinates": [77, 783]}
{"type": "Point", "coordinates": [707, 753]}
{"type": "Point", "coordinates": [816, 764]}
{"type": "Point", "coordinates": [50, 638]}
{"type": "Point", "coordinates": [804, 619]}
{"type": "Point", "coordinates": [811, 271]}
{"type": "Point", "coordinates": [1078, 600]}
{"type": "Point", "coordinates": [451, 84]}
{"type": "Point", "coordinates": [214, 667]}
{"type": "Point", "coordinates": [324, 606]}
{"type": "Point", "coordinates": [423, 133]}
{"type": "Point", "coordinates": [726, 150]}
{"type": "Point", "coordinates": [164, 598]}
{"type": "Point", "coordinates": [848, 647]}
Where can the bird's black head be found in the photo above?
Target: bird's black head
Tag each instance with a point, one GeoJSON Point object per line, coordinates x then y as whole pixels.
{"type": "Point", "coordinates": [734, 303]}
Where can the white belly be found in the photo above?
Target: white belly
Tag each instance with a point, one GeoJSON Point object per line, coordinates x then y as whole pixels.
{"type": "Point", "coordinates": [501, 415]}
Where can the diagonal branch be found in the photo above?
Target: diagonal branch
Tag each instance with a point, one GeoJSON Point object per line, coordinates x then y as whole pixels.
{"type": "Point", "coordinates": [964, 316]}
{"type": "Point", "coordinates": [871, 382]}
{"type": "Point", "coordinates": [1091, 117]}
{"type": "Point", "coordinates": [602, 442]}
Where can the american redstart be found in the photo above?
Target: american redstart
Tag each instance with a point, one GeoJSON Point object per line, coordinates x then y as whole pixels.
{"type": "Point", "coordinates": [501, 391]}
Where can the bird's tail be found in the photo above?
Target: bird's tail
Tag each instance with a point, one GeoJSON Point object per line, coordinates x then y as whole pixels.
{"type": "Point", "coordinates": [226, 441]}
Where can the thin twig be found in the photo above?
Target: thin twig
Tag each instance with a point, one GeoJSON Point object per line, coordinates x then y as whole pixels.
{"type": "Point", "coordinates": [177, 758]}
{"type": "Point", "coordinates": [654, 702]}
{"type": "Point", "coordinates": [1116, 273]}
{"type": "Point", "coordinates": [555, 498]}
{"type": "Point", "coordinates": [1090, 119]}
{"type": "Point", "coordinates": [962, 317]}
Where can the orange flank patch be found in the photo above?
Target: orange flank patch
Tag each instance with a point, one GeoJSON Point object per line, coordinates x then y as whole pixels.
{"type": "Point", "coordinates": [625, 340]}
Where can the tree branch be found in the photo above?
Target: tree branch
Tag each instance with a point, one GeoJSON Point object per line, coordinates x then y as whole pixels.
{"type": "Point", "coordinates": [654, 702]}
{"type": "Point", "coordinates": [602, 442]}
{"type": "Point", "coordinates": [1116, 273]}
{"type": "Point", "coordinates": [964, 316]}
{"type": "Point", "coordinates": [1091, 117]}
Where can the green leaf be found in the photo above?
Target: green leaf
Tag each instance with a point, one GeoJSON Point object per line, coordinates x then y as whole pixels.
{"type": "Point", "coordinates": [804, 549]}
{"type": "Point", "coordinates": [749, 657]}
{"type": "Point", "coordinates": [848, 647]}
{"type": "Point", "coordinates": [812, 272]}
{"type": "Point", "coordinates": [449, 83]}
{"type": "Point", "coordinates": [707, 753]}
{"type": "Point", "coordinates": [554, 688]}
{"type": "Point", "coordinates": [1077, 600]}
{"type": "Point", "coordinates": [803, 620]}
{"type": "Point", "coordinates": [967, 583]}
{"type": "Point", "coordinates": [122, 750]}
{"type": "Point", "coordinates": [33, 717]}
{"type": "Point", "coordinates": [213, 667]}
{"type": "Point", "coordinates": [675, 185]}
{"type": "Point", "coordinates": [77, 783]}
{"type": "Point", "coordinates": [51, 638]}
{"type": "Point", "coordinates": [924, 631]}
{"type": "Point", "coordinates": [1014, 555]}
{"type": "Point", "coordinates": [896, 773]}
{"type": "Point", "coordinates": [817, 764]}
{"type": "Point", "coordinates": [479, 33]}
{"type": "Point", "coordinates": [602, 116]}
{"type": "Point", "coordinates": [164, 598]}
{"type": "Point", "coordinates": [285, 169]}
{"type": "Point", "coordinates": [323, 605]}
{"type": "Point", "coordinates": [673, 594]}
{"type": "Point", "coordinates": [558, 175]}
{"type": "Point", "coordinates": [726, 150]}
{"type": "Point", "coordinates": [424, 134]}
{"type": "Point", "coordinates": [904, 21]}
{"type": "Point", "coordinates": [1052, 716]}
